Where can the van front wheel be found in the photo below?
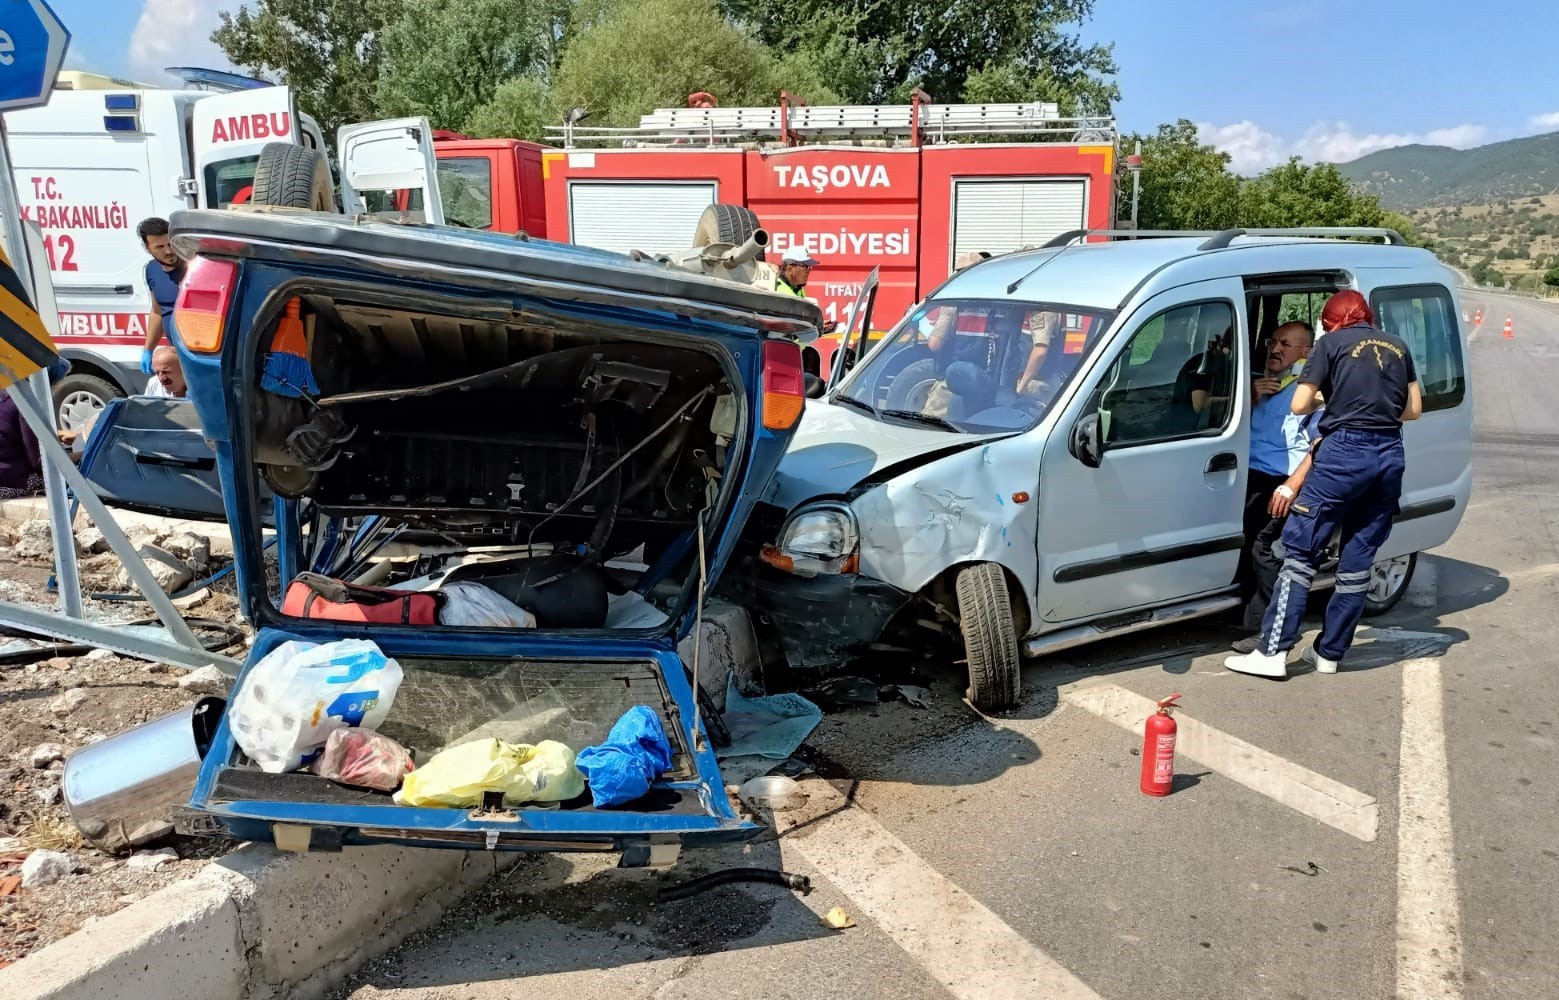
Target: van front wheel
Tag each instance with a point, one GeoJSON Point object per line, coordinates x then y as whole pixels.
{"type": "Point", "coordinates": [990, 637]}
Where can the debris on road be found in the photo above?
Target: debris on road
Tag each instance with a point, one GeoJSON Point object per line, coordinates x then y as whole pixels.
{"type": "Point", "coordinates": [694, 886]}
{"type": "Point", "coordinates": [152, 860]}
{"type": "Point", "coordinates": [838, 919]}
{"type": "Point", "coordinates": [47, 753]}
{"type": "Point", "coordinates": [836, 694]}
{"type": "Point", "coordinates": [206, 680]}
{"type": "Point", "coordinates": [46, 867]}
{"type": "Point", "coordinates": [913, 694]}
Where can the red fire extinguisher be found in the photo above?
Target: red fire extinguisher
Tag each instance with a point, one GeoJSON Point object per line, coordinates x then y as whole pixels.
{"type": "Point", "coordinates": [1158, 749]}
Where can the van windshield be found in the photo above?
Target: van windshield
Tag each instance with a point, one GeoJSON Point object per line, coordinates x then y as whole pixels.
{"type": "Point", "coordinates": [975, 365]}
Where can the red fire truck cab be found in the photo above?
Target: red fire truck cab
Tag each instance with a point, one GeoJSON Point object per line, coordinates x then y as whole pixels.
{"type": "Point", "coordinates": [905, 189]}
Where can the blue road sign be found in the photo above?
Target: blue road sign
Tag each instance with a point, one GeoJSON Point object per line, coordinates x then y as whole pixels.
{"type": "Point", "coordinates": [32, 47]}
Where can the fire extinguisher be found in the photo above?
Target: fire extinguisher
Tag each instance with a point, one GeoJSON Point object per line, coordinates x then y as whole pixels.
{"type": "Point", "coordinates": [1158, 749]}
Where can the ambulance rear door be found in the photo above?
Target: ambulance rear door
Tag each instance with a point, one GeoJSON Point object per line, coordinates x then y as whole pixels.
{"type": "Point", "coordinates": [227, 133]}
{"type": "Point", "coordinates": [388, 168]}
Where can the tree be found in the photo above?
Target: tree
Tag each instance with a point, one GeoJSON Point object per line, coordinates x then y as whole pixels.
{"type": "Point", "coordinates": [521, 108]}
{"type": "Point", "coordinates": [1185, 183]}
{"type": "Point", "coordinates": [327, 51]}
{"type": "Point", "coordinates": [653, 53]}
{"type": "Point", "coordinates": [1506, 253]}
{"type": "Point", "coordinates": [878, 51]}
{"type": "Point", "coordinates": [446, 58]}
{"type": "Point", "coordinates": [1298, 194]}
{"type": "Point", "coordinates": [1551, 277]}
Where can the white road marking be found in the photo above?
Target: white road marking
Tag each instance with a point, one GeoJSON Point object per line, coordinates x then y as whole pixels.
{"type": "Point", "coordinates": [1429, 952]}
{"type": "Point", "coordinates": [1315, 795]}
{"type": "Point", "coordinates": [955, 937]}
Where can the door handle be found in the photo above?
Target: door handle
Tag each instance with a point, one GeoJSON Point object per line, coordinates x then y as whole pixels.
{"type": "Point", "coordinates": [1224, 461]}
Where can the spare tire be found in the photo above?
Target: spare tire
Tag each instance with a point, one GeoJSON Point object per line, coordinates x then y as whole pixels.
{"type": "Point", "coordinates": [289, 176]}
{"type": "Point", "coordinates": [722, 223]}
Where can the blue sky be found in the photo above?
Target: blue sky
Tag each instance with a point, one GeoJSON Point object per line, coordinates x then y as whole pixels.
{"type": "Point", "coordinates": [1264, 79]}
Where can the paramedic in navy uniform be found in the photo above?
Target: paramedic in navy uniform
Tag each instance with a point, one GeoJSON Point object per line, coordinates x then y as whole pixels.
{"type": "Point", "coordinates": [1367, 379]}
{"type": "Point", "coordinates": [163, 273]}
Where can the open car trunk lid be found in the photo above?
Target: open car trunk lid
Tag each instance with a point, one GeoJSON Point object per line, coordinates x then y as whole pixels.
{"type": "Point", "coordinates": [523, 357]}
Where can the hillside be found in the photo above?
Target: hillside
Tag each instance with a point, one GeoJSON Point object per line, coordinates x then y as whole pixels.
{"type": "Point", "coordinates": [1418, 176]}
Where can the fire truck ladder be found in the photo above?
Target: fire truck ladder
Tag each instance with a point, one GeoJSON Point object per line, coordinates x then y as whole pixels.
{"type": "Point", "coordinates": [918, 123]}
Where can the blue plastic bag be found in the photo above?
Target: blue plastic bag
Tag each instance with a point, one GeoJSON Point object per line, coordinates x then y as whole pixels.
{"type": "Point", "coordinates": [635, 753]}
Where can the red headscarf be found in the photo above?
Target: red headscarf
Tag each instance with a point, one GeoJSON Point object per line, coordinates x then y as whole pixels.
{"type": "Point", "coordinates": [1346, 308]}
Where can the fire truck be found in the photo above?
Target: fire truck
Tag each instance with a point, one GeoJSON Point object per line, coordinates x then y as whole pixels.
{"type": "Point", "coordinates": [905, 189]}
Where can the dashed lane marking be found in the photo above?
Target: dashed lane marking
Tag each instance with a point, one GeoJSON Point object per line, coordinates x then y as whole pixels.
{"type": "Point", "coordinates": [1281, 780]}
{"type": "Point", "coordinates": [1429, 953]}
{"type": "Point", "coordinates": [954, 937]}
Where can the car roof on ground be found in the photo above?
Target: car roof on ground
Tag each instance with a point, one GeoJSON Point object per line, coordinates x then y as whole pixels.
{"type": "Point", "coordinates": [1104, 275]}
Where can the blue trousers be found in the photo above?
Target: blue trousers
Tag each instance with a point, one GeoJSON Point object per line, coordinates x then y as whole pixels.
{"type": "Point", "coordinates": [1354, 485]}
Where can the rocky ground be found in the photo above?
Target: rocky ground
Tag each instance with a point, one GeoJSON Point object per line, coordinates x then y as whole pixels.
{"type": "Point", "coordinates": [52, 881]}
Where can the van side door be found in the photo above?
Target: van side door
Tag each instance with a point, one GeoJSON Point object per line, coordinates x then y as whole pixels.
{"type": "Point", "coordinates": [1438, 479]}
{"type": "Point", "coordinates": [1142, 484]}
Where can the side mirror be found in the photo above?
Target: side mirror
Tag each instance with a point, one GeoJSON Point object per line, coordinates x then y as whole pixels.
{"type": "Point", "coordinates": [814, 386]}
{"type": "Point", "coordinates": [1085, 444]}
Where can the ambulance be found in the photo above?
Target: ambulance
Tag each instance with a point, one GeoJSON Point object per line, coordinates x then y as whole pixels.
{"type": "Point", "coordinates": [103, 155]}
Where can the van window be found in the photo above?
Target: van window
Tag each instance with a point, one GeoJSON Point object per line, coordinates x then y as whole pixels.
{"type": "Point", "coordinates": [230, 182]}
{"type": "Point", "coordinates": [465, 186]}
{"type": "Point", "coordinates": [1175, 378]}
{"type": "Point", "coordinates": [1424, 316]}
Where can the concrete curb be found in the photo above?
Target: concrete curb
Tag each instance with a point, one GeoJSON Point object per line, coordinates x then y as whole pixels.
{"type": "Point", "coordinates": [258, 924]}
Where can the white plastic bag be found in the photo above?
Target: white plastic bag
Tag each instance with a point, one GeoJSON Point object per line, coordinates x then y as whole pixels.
{"type": "Point", "coordinates": [292, 700]}
{"type": "Point", "coordinates": [474, 605]}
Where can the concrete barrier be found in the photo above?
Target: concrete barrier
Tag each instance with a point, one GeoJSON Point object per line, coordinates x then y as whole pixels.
{"type": "Point", "coordinates": [258, 924]}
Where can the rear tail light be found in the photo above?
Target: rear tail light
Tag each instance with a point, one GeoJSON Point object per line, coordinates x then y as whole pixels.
{"type": "Point", "coordinates": [201, 308]}
{"type": "Point", "coordinates": [784, 388]}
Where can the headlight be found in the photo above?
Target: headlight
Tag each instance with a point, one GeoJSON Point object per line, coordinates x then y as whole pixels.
{"type": "Point", "coordinates": [818, 539]}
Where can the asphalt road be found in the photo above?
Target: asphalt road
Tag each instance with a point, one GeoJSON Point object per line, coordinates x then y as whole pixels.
{"type": "Point", "coordinates": [1015, 857]}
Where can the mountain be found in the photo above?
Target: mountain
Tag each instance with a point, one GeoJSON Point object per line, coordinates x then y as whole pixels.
{"type": "Point", "coordinates": [1418, 176]}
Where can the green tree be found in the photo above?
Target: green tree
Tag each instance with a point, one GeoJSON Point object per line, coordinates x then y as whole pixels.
{"type": "Point", "coordinates": [651, 54]}
{"type": "Point", "coordinates": [521, 108]}
{"type": "Point", "coordinates": [878, 51]}
{"type": "Point", "coordinates": [1186, 184]}
{"type": "Point", "coordinates": [1506, 253]}
{"type": "Point", "coordinates": [1298, 194]}
{"type": "Point", "coordinates": [1551, 277]}
{"type": "Point", "coordinates": [446, 58]}
{"type": "Point", "coordinates": [327, 51]}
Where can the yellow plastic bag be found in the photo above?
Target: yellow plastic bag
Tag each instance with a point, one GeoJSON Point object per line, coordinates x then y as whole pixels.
{"type": "Point", "coordinates": [457, 777]}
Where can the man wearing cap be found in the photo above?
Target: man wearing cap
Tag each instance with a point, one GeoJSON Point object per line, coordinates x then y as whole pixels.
{"type": "Point", "coordinates": [794, 269]}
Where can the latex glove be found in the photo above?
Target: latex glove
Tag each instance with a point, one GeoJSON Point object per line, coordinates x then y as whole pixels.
{"type": "Point", "coordinates": [146, 362]}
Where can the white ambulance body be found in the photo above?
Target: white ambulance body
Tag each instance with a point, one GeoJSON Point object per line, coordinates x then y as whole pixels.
{"type": "Point", "coordinates": [104, 154]}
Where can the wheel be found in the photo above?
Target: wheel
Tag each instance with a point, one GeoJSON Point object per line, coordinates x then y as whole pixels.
{"type": "Point", "coordinates": [990, 637]}
{"type": "Point", "coordinates": [78, 399]}
{"type": "Point", "coordinates": [1388, 582]}
{"type": "Point", "coordinates": [722, 223]}
{"type": "Point", "coordinates": [289, 176]}
{"type": "Point", "coordinates": [911, 387]}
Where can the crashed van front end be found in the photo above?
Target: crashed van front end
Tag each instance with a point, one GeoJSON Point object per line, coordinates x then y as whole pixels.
{"type": "Point", "coordinates": [580, 434]}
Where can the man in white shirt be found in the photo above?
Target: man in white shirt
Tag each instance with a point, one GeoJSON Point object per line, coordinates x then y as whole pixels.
{"type": "Point", "coordinates": [167, 374]}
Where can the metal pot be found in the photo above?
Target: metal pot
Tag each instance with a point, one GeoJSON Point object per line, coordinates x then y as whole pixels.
{"type": "Point", "coordinates": [122, 791]}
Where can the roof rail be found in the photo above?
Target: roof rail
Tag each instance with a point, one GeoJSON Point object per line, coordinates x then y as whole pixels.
{"type": "Point", "coordinates": [1219, 239]}
{"type": "Point", "coordinates": [1223, 239]}
{"type": "Point", "coordinates": [1063, 239]}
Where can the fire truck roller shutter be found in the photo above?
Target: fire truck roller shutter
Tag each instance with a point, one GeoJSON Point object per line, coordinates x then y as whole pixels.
{"type": "Point", "coordinates": [636, 215]}
{"type": "Point", "coordinates": [723, 223]}
{"type": "Point", "coordinates": [290, 176]}
{"type": "Point", "coordinates": [1002, 215]}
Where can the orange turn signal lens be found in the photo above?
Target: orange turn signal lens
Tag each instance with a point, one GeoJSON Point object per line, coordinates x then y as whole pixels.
{"type": "Point", "coordinates": [1020, 497]}
{"type": "Point", "coordinates": [779, 560]}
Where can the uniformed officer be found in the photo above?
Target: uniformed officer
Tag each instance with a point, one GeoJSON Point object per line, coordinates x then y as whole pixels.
{"type": "Point", "coordinates": [1370, 386]}
{"type": "Point", "coordinates": [164, 272]}
{"type": "Point", "coordinates": [795, 267]}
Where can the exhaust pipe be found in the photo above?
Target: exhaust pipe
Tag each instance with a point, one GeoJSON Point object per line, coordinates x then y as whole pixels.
{"type": "Point", "coordinates": [747, 252]}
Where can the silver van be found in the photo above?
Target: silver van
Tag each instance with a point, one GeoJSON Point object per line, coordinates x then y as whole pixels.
{"type": "Point", "coordinates": [958, 481]}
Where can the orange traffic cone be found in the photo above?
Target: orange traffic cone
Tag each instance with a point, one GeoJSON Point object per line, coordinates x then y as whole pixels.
{"type": "Point", "coordinates": [1509, 333]}
{"type": "Point", "coordinates": [1477, 316]}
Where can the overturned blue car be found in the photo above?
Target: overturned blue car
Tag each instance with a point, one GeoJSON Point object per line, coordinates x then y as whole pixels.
{"type": "Point", "coordinates": [416, 407]}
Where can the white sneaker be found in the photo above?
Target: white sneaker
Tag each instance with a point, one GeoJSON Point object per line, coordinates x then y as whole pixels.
{"type": "Point", "coordinates": [1259, 664]}
{"type": "Point", "coordinates": [1322, 664]}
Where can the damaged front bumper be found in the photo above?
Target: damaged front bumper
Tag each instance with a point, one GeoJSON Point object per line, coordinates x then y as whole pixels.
{"type": "Point", "coordinates": [823, 621]}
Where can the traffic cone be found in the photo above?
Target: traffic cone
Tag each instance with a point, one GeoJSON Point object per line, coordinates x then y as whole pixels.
{"type": "Point", "coordinates": [1477, 316]}
{"type": "Point", "coordinates": [1509, 333]}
